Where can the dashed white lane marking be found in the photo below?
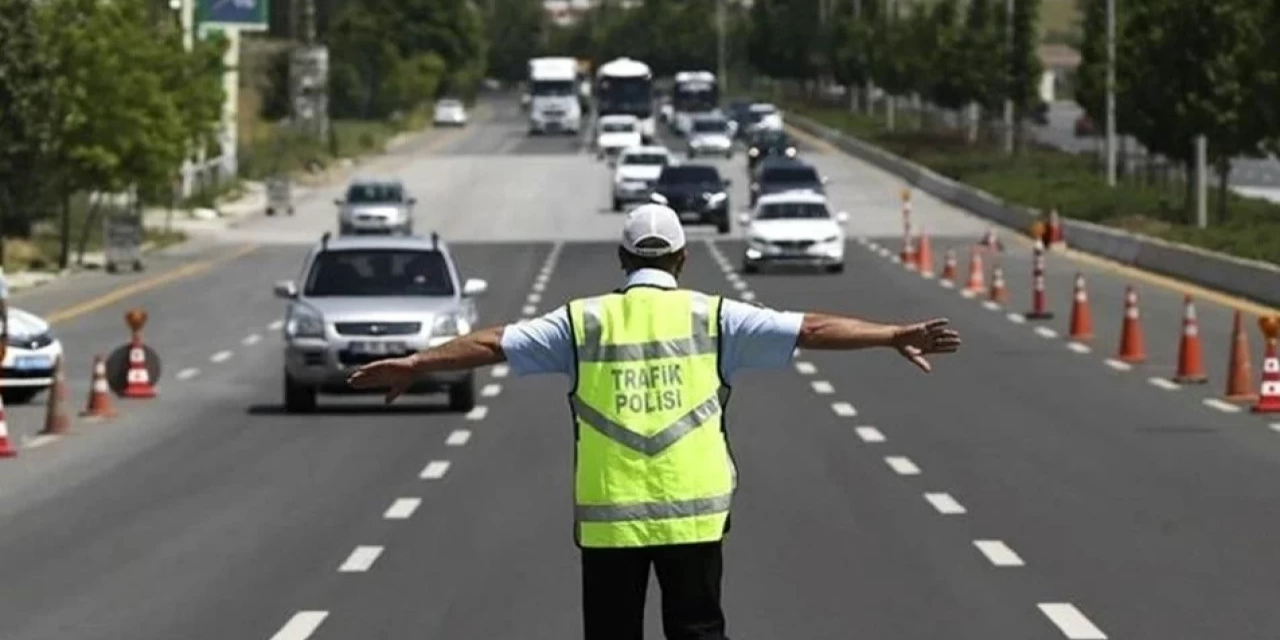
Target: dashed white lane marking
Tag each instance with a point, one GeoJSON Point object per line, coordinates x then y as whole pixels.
{"type": "Point", "coordinates": [301, 625]}
{"type": "Point", "coordinates": [1167, 385]}
{"type": "Point", "coordinates": [529, 310]}
{"type": "Point", "coordinates": [188, 373]}
{"type": "Point", "coordinates": [731, 276]}
{"type": "Point", "coordinates": [478, 413]}
{"type": "Point", "coordinates": [360, 560]}
{"type": "Point", "coordinates": [221, 356]}
{"type": "Point", "coordinates": [500, 371]}
{"type": "Point", "coordinates": [991, 305]}
{"type": "Point", "coordinates": [1073, 624]}
{"type": "Point", "coordinates": [402, 508]}
{"type": "Point", "coordinates": [540, 286]}
{"type": "Point", "coordinates": [1118, 365]}
{"type": "Point", "coordinates": [535, 298]}
{"type": "Point", "coordinates": [902, 465]}
{"type": "Point", "coordinates": [490, 390]}
{"type": "Point", "coordinates": [1016, 318]}
{"type": "Point", "coordinates": [40, 441]}
{"type": "Point", "coordinates": [998, 553]}
{"type": "Point", "coordinates": [1275, 426]}
{"type": "Point", "coordinates": [740, 285]}
{"type": "Point", "coordinates": [434, 470]}
{"type": "Point", "coordinates": [275, 326]}
{"type": "Point", "coordinates": [1221, 405]}
{"type": "Point", "coordinates": [844, 409]}
{"type": "Point", "coordinates": [806, 368]}
{"type": "Point", "coordinates": [968, 293]}
{"type": "Point", "coordinates": [869, 434]}
{"type": "Point", "coordinates": [1079, 347]}
{"type": "Point", "coordinates": [946, 284]}
{"type": "Point", "coordinates": [748, 296]}
{"type": "Point", "coordinates": [944, 503]}
{"type": "Point", "coordinates": [458, 438]}
{"type": "Point", "coordinates": [1046, 332]}
{"type": "Point", "coordinates": [823, 387]}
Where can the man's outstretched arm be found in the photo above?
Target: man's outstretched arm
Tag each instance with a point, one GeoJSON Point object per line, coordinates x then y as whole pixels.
{"type": "Point", "coordinates": [476, 349]}
{"type": "Point", "coordinates": [826, 331]}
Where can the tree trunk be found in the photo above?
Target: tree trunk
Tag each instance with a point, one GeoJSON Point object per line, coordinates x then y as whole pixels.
{"type": "Point", "coordinates": [64, 231]}
{"type": "Point", "coordinates": [90, 219]}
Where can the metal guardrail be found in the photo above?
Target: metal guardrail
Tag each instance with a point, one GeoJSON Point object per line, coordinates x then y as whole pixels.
{"type": "Point", "coordinates": [1253, 279]}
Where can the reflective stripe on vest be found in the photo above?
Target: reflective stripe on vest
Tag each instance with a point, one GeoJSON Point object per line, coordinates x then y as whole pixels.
{"type": "Point", "coordinates": [652, 462]}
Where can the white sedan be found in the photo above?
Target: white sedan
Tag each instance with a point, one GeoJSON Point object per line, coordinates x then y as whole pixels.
{"type": "Point", "coordinates": [794, 227]}
{"type": "Point", "coordinates": [636, 172]}
{"type": "Point", "coordinates": [29, 358]}
{"type": "Point", "coordinates": [617, 132]}
{"type": "Point", "coordinates": [450, 112]}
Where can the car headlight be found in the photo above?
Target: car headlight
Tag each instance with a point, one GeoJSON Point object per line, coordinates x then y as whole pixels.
{"type": "Point", "coordinates": [791, 152]}
{"type": "Point", "coordinates": [830, 240]}
{"type": "Point", "coordinates": [304, 322]}
{"type": "Point", "coordinates": [450, 324]}
{"type": "Point", "coordinates": [714, 199]}
{"type": "Point", "coordinates": [753, 152]}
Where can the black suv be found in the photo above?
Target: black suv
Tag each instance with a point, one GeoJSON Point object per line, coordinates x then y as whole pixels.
{"type": "Point", "coordinates": [697, 193]}
{"type": "Point", "coordinates": [768, 143]}
{"type": "Point", "coordinates": [775, 175]}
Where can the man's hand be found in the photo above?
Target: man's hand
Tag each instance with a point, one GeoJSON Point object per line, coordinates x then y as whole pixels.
{"type": "Point", "coordinates": [918, 340]}
{"type": "Point", "coordinates": [397, 374]}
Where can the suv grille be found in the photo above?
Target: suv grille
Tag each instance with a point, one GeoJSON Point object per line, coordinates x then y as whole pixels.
{"type": "Point", "coordinates": [377, 328]}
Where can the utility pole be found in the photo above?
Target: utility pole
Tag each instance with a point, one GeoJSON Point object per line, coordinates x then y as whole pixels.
{"type": "Point", "coordinates": [1009, 76]}
{"type": "Point", "coordinates": [1111, 92]}
{"type": "Point", "coordinates": [1202, 181]}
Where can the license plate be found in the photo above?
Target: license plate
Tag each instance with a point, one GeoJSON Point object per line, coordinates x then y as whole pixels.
{"type": "Point", "coordinates": [690, 216]}
{"type": "Point", "coordinates": [378, 348]}
{"type": "Point", "coordinates": [28, 363]}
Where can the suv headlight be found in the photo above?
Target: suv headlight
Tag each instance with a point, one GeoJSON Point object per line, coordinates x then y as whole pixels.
{"type": "Point", "coordinates": [714, 199]}
{"type": "Point", "coordinates": [304, 322]}
{"type": "Point", "coordinates": [449, 324]}
{"type": "Point", "coordinates": [791, 152]}
{"type": "Point", "coordinates": [753, 152]}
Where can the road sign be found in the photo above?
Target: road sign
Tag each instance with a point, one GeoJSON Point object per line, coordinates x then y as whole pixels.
{"type": "Point", "coordinates": [243, 15]}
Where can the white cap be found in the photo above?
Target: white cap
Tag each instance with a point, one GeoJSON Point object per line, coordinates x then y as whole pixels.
{"type": "Point", "coordinates": [652, 222]}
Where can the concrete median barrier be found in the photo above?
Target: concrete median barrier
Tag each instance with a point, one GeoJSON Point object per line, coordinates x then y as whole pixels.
{"type": "Point", "coordinates": [1251, 279]}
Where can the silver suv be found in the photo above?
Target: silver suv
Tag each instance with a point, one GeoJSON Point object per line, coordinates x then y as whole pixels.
{"type": "Point", "coordinates": [362, 299]}
{"type": "Point", "coordinates": [375, 206]}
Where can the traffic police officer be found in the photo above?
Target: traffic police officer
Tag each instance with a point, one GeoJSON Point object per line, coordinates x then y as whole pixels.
{"type": "Point", "coordinates": [650, 365]}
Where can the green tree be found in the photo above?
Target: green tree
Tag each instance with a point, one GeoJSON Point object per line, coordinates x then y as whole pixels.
{"type": "Point", "coordinates": [516, 30]}
{"type": "Point", "coordinates": [1024, 63]}
{"type": "Point", "coordinates": [979, 53]}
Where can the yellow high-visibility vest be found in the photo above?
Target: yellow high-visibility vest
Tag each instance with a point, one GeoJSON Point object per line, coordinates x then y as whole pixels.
{"type": "Point", "coordinates": [652, 462]}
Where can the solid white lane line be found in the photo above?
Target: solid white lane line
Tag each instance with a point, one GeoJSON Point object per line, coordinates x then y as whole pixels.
{"type": "Point", "coordinates": [902, 465]}
{"type": "Point", "coordinates": [529, 310]}
{"type": "Point", "coordinates": [1046, 332]}
{"type": "Point", "coordinates": [1073, 624]}
{"type": "Point", "coordinates": [844, 409]}
{"type": "Point", "coordinates": [823, 387]}
{"type": "Point", "coordinates": [748, 296]}
{"type": "Point", "coordinates": [275, 326]}
{"type": "Point", "coordinates": [301, 625]}
{"type": "Point", "coordinates": [500, 371]}
{"type": "Point", "coordinates": [991, 305]}
{"type": "Point", "coordinates": [458, 438]}
{"type": "Point", "coordinates": [360, 560]}
{"type": "Point", "coordinates": [944, 503]}
{"type": "Point", "coordinates": [1221, 405]}
{"type": "Point", "coordinates": [1167, 385]}
{"type": "Point", "coordinates": [478, 413]}
{"type": "Point", "coordinates": [806, 368]}
{"type": "Point", "coordinates": [1118, 365]}
{"type": "Point", "coordinates": [535, 298]}
{"type": "Point", "coordinates": [1079, 347]}
{"type": "Point", "coordinates": [251, 339]}
{"type": "Point", "coordinates": [221, 356]}
{"type": "Point", "coordinates": [188, 373]}
{"type": "Point", "coordinates": [490, 390]}
{"type": "Point", "coordinates": [1016, 318]}
{"type": "Point", "coordinates": [434, 470]}
{"type": "Point", "coordinates": [402, 508]}
{"type": "Point", "coordinates": [998, 553]}
{"type": "Point", "coordinates": [869, 434]}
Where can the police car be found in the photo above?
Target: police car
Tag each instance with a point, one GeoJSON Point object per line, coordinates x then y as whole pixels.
{"type": "Point", "coordinates": [29, 357]}
{"type": "Point", "coordinates": [796, 228]}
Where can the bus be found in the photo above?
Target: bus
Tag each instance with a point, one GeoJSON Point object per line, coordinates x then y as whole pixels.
{"type": "Point", "coordinates": [625, 87]}
{"type": "Point", "coordinates": [553, 96]}
{"type": "Point", "coordinates": [692, 92]}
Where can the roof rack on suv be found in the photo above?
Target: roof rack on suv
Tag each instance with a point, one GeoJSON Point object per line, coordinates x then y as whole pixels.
{"type": "Point", "coordinates": [435, 240]}
{"type": "Point", "coordinates": [324, 240]}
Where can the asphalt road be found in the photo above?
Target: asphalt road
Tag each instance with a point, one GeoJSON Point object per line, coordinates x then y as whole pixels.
{"type": "Point", "coordinates": [1023, 490]}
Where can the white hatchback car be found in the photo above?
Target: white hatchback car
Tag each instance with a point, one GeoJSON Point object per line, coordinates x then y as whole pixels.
{"type": "Point", "coordinates": [450, 112]}
{"type": "Point", "coordinates": [29, 358]}
{"type": "Point", "coordinates": [794, 227]}
{"type": "Point", "coordinates": [636, 171]}
{"type": "Point", "coordinates": [617, 132]}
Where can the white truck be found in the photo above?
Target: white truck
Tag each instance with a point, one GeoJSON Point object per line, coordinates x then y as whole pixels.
{"type": "Point", "coordinates": [692, 93]}
{"type": "Point", "coordinates": [625, 87]}
{"type": "Point", "coordinates": [553, 96]}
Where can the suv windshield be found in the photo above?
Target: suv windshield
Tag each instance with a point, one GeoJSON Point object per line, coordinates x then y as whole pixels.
{"type": "Point", "coordinates": [379, 272]}
{"type": "Point", "coordinates": [617, 127]}
{"type": "Point", "coordinates": [771, 139]}
{"type": "Point", "coordinates": [789, 175]}
{"type": "Point", "coordinates": [644, 158]}
{"type": "Point", "coordinates": [793, 211]}
{"type": "Point", "coordinates": [709, 126]}
{"type": "Point", "coordinates": [374, 192]}
{"type": "Point", "coordinates": [689, 174]}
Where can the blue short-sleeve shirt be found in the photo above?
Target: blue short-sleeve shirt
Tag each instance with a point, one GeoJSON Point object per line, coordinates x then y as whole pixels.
{"type": "Point", "coordinates": [751, 337]}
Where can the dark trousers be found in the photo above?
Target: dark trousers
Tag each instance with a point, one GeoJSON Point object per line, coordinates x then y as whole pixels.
{"type": "Point", "coordinates": [614, 582]}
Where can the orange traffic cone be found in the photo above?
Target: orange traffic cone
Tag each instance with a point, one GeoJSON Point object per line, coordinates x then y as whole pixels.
{"type": "Point", "coordinates": [908, 255]}
{"type": "Point", "coordinates": [138, 384]}
{"type": "Point", "coordinates": [99, 404]}
{"type": "Point", "coordinates": [6, 447]}
{"type": "Point", "coordinates": [1056, 239]}
{"type": "Point", "coordinates": [924, 257]}
{"type": "Point", "coordinates": [55, 417]}
{"type": "Point", "coordinates": [990, 241]}
{"type": "Point", "coordinates": [1269, 394]}
{"type": "Point", "coordinates": [1239, 372]}
{"type": "Point", "coordinates": [998, 292]}
{"type": "Point", "coordinates": [976, 281]}
{"type": "Point", "coordinates": [949, 266]}
{"type": "Point", "coordinates": [1190, 355]}
{"type": "Point", "coordinates": [1039, 302]}
{"type": "Point", "coordinates": [1132, 346]}
{"type": "Point", "coordinates": [1081, 316]}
